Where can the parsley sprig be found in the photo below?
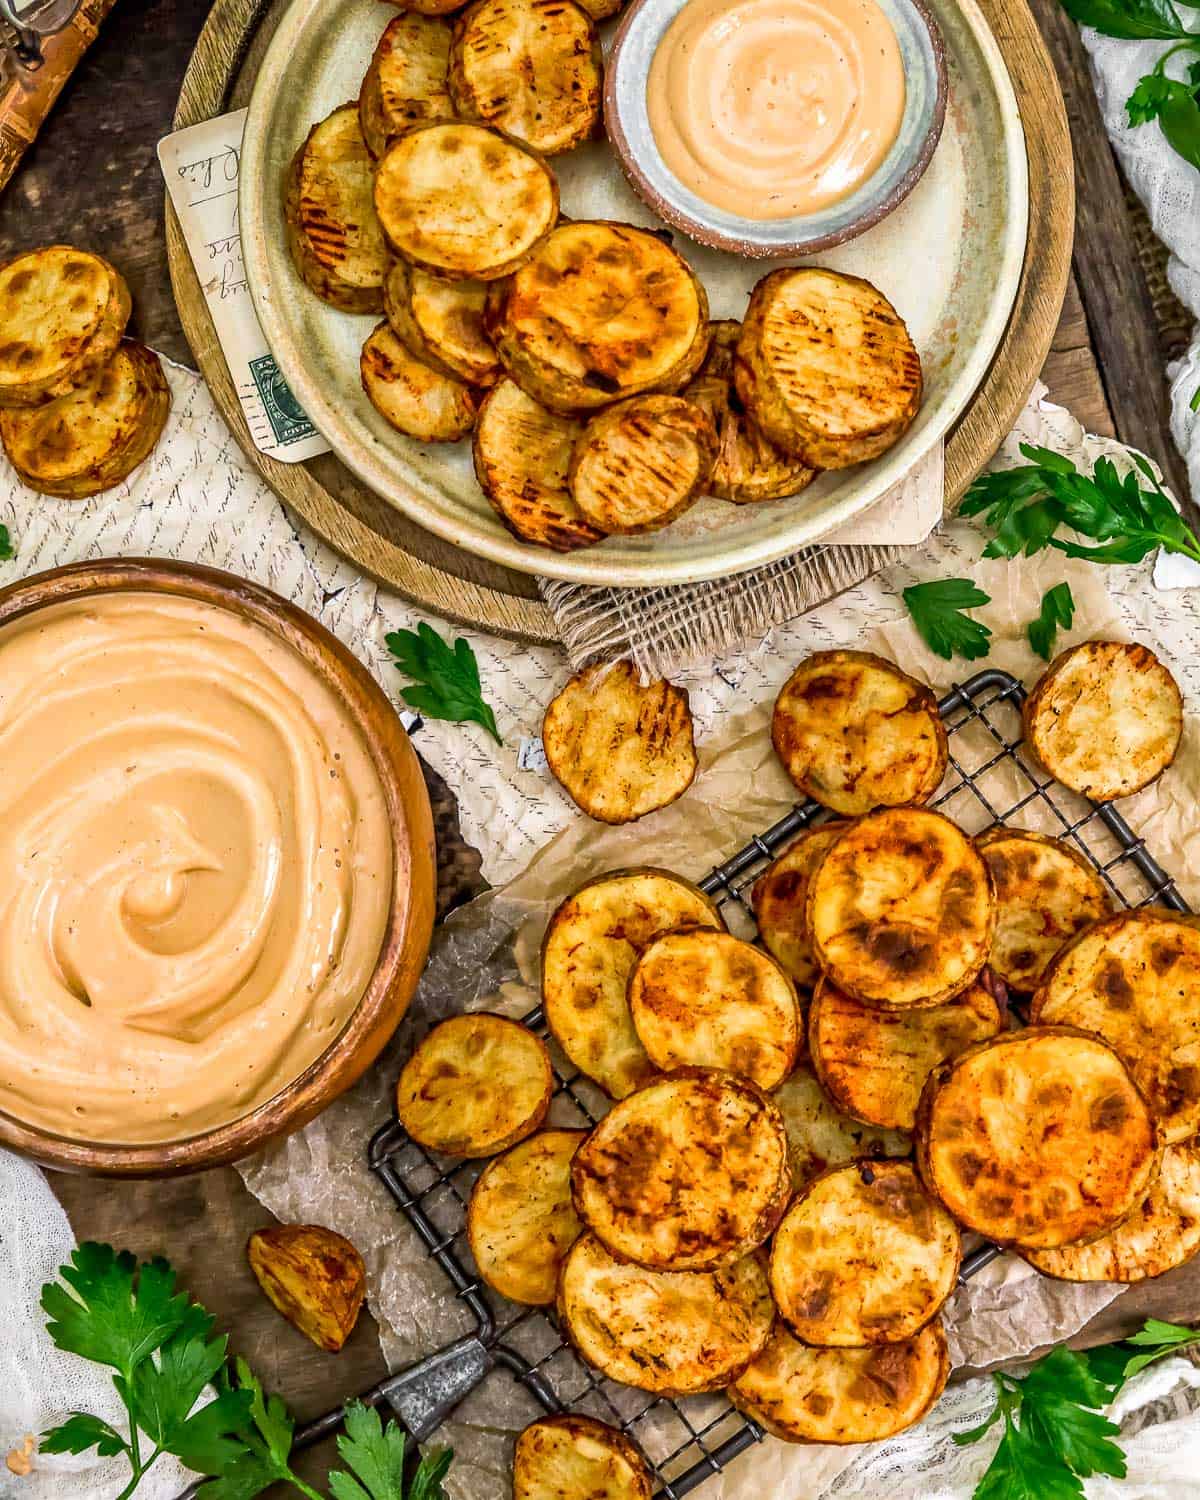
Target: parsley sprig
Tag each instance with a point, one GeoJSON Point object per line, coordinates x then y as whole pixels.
{"type": "Point", "coordinates": [1056, 612]}
{"type": "Point", "coordinates": [937, 611]}
{"type": "Point", "coordinates": [447, 678]}
{"type": "Point", "coordinates": [7, 547]}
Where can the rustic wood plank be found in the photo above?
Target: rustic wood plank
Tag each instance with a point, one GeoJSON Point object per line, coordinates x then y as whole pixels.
{"type": "Point", "coordinates": [1071, 374]}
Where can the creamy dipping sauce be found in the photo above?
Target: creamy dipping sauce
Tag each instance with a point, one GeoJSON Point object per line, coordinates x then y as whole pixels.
{"type": "Point", "coordinates": [197, 867]}
{"type": "Point", "coordinates": [770, 109]}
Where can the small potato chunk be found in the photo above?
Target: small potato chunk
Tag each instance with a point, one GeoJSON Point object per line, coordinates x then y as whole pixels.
{"type": "Point", "coordinates": [416, 399]}
{"type": "Point", "coordinates": [578, 1458]}
{"type": "Point", "coordinates": [441, 322]}
{"type": "Point", "coordinates": [900, 909]}
{"type": "Point", "coordinates": [430, 7]}
{"type": "Point", "coordinates": [854, 732]}
{"type": "Point", "coordinates": [708, 1000]}
{"type": "Point", "coordinates": [463, 201]}
{"type": "Point", "coordinates": [639, 465]}
{"type": "Point", "coordinates": [1046, 892]}
{"type": "Point", "coordinates": [820, 1136]}
{"type": "Point", "coordinates": [780, 900]}
{"type": "Point", "coordinates": [407, 82]}
{"type": "Point", "coordinates": [530, 68]}
{"type": "Point", "coordinates": [521, 1221]}
{"type": "Point", "coordinates": [1038, 1138]}
{"type": "Point", "coordinates": [675, 1333]}
{"type": "Point", "coordinates": [826, 368]}
{"type": "Point", "coordinates": [689, 1173]}
{"type": "Point", "coordinates": [1105, 719]}
{"type": "Point", "coordinates": [475, 1086]}
{"type": "Point", "coordinates": [618, 748]}
{"type": "Point", "coordinates": [313, 1276]}
{"type": "Point", "coordinates": [333, 233]}
{"type": "Point", "coordinates": [805, 1395]}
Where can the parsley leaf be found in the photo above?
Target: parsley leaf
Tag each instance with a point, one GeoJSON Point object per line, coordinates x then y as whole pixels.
{"type": "Point", "coordinates": [1057, 611]}
{"type": "Point", "coordinates": [265, 1433]}
{"type": "Point", "coordinates": [1156, 1339]}
{"type": "Point", "coordinates": [1133, 20]}
{"type": "Point", "coordinates": [376, 1456]}
{"type": "Point", "coordinates": [81, 1432]}
{"type": "Point", "coordinates": [937, 612]}
{"type": "Point", "coordinates": [7, 546]}
{"type": "Point", "coordinates": [447, 677]}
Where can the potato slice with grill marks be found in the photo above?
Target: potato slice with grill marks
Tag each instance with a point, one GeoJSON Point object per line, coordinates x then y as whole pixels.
{"type": "Point", "coordinates": [591, 945]}
{"type": "Point", "coordinates": [441, 322]}
{"type": "Point", "coordinates": [578, 1458]}
{"type": "Point", "coordinates": [1038, 1138]}
{"type": "Point", "coordinates": [900, 909]}
{"type": "Point", "coordinates": [407, 82]}
{"type": "Point", "coordinates": [706, 999]}
{"type": "Point", "coordinates": [463, 201]}
{"type": "Point", "coordinates": [688, 1173]}
{"type": "Point", "coordinates": [826, 367]}
{"type": "Point", "coordinates": [1046, 892]}
{"type": "Point", "coordinates": [820, 1136]}
{"type": "Point", "coordinates": [805, 1395]}
{"type": "Point", "coordinates": [475, 1086]}
{"type": "Point", "coordinates": [863, 1256]}
{"type": "Point", "coordinates": [1105, 719]}
{"type": "Point", "coordinates": [530, 68]}
{"type": "Point", "coordinates": [1134, 979]}
{"type": "Point", "coordinates": [676, 1333]}
{"type": "Point", "coordinates": [601, 311]}
{"type": "Point", "coordinates": [416, 399]}
{"type": "Point", "coordinates": [619, 748]}
{"type": "Point", "coordinates": [780, 899]}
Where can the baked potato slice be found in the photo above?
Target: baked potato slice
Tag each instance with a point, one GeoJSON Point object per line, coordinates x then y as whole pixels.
{"type": "Point", "coordinates": [820, 1136]}
{"type": "Point", "coordinates": [688, 1173]}
{"type": "Point", "coordinates": [475, 1086]}
{"type": "Point", "coordinates": [313, 1276]}
{"type": "Point", "coordinates": [430, 7]}
{"type": "Point", "coordinates": [675, 1333]}
{"type": "Point", "coordinates": [591, 945]}
{"type": "Point", "coordinates": [805, 1395]}
{"type": "Point", "coordinates": [640, 464]}
{"type": "Point", "coordinates": [416, 399]}
{"type": "Point", "coordinates": [95, 436]}
{"type": "Point", "coordinates": [441, 322]}
{"type": "Point", "coordinates": [408, 80]}
{"type": "Point", "coordinates": [521, 1221]}
{"type": "Point", "coordinates": [706, 999]}
{"type": "Point", "coordinates": [62, 314]}
{"type": "Point", "coordinates": [578, 1458]}
{"type": "Point", "coordinates": [854, 732]}
{"type": "Point", "coordinates": [618, 747]}
{"type": "Point", "coordinates": [826, 367]}
{"type": "Point", "coordinates": [900, 909]}
{"type": "Point", "coordinates": [462, 201]}
{"type": "Point", "coordinates": [747, 468]}
{"type": "Point", "coordinates": [1046, 893]}
{"type": "Point", "coordinates": [1134, 979]}
{"type": "Point", "coordinates": [779, 898]}
{"type": "Point", "coordinates": [333, 232]}
{"type": "Point", "coordinates": [1038, 1138]}
{"type": "Point", "coordinates": [529, 67]}
{"type": "Point", "coordinates": [863, 1256]}
{"type": "Point", "coordinates": [1105, 719]}
{"type": "Point", "coordinates": [601, 311]}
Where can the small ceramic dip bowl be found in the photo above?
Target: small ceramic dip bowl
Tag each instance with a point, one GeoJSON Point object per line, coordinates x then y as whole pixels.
{"type": "Point", "coordinates": [627, 122]}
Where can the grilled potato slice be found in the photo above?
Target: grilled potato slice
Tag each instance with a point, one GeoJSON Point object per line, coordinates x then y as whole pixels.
{"type": "Point", "coordinates": [314, 1277]}
{"type": "Point", "coordinates": [1105, 719]}
{"type": "Point", "coordinates": [430, 7]}
{"type": "Point", "coordinates": [820, 1136]}
{"type": "Point", "coordinates": [521, 1221]}
{"type": "Point", "coordinates": [463, 201]}
{"type": "Point", "coordinates": [805, 1395]}
{"type": "Point", "coordinates": [709, 1000]}
{"type": "Point", "coordinates": [863, 1256]}
{"type": "Point", "coordinates": [1160, 1234]}
{"type": "Point", "coordinates": [779, 898]}
{"type": "Point", "coordinates": [601, 311]}
{"type": "Point", "coordinates": [854, 732]}
{"type": "Point", "coordinates": [1038, 1138]}
{"type": "Point", "coordinates": [407, 82]}
{"type": "Point", "coordinates": [641, 464]}
{"type": "Point", "coordinates": [1046, 892]}
{"type": "Point", "coordinates": [748, 468]}
{"type": "Point", "coordinates": [416, 399]}
{"type": "Point", "coordinates": [618, 748]}
{"type": "Point", "coordinates": [530, 68]}
{"type": "Point", "coordinates": [1134, 979]}
{"type": "Point", "coordinates": [826, 368]}
{"type": "Point", "coordinates": [441, 322]}
{"type": "Point", "coordinates": [675, 1333]}
{"type": "Point", "coordinates": [577, 1458]}
{"type": "Point", "coordinates": [591, 945]}
{"type": "Point", "coordinates": [900, 909]}
{"type": "Point", "coordinates": [475, 1086]}
{"type": "Point", "coordinates": [333, 232]}
{"type": "Point", "coordinates": [62, 314]}
{"type": "Point", "coordinates": [873, 1063]}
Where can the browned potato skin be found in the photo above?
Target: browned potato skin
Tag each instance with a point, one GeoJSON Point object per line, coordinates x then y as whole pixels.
{"type": "Point", "coordinates": [556, 1456]}
{"type": "Point", "coordinates": [406, 83]}
{"type": "Point", "coordinates": [412, 396]}
{"type": "Point", "coordinates": [780, 898]}
{"type": "Point", "coordinates": [314, 1277]}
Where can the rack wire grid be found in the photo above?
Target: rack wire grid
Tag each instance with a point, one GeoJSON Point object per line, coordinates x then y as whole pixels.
{"type": "Point", "coordinates": [990, 779]}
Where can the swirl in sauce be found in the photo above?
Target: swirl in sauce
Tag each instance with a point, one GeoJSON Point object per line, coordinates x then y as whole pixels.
{"type": "Point", "coordinates": [197, 867]}
{"type": "Point", "coordinates": [770, 109]}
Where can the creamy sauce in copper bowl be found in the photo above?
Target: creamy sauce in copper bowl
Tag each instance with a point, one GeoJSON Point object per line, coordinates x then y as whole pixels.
{"type": "Point", "coordinates": [772, 109]}
{"type": "Point", "coordinates": [197, 866]}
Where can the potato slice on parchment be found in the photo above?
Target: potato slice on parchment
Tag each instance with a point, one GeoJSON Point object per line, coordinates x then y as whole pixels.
{"type": "Point", "coordinates": [314, 1277]}
{"type": "Point", "coordinates": [441, 322]}
{"type": "Point", "coordinates": [578, 1458]}
{"type": "Point", "coordinates": [780, 900]}
{"type": "Point", "coordinates": [416, 399]}
{"type": "Point", "coordinates": [820, 1136]}
{"type": "Point", "coordinates": [675, 1333]}
{"type": "Point", "coordinates": [407, 82]}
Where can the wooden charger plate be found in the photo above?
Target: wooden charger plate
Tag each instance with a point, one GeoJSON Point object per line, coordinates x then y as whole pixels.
{"type": "Point", "coordinates": [451, 582]}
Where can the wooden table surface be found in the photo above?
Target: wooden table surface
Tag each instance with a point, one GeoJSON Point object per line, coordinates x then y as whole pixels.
{"type": "Point", "coordinates": [92, 178]}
